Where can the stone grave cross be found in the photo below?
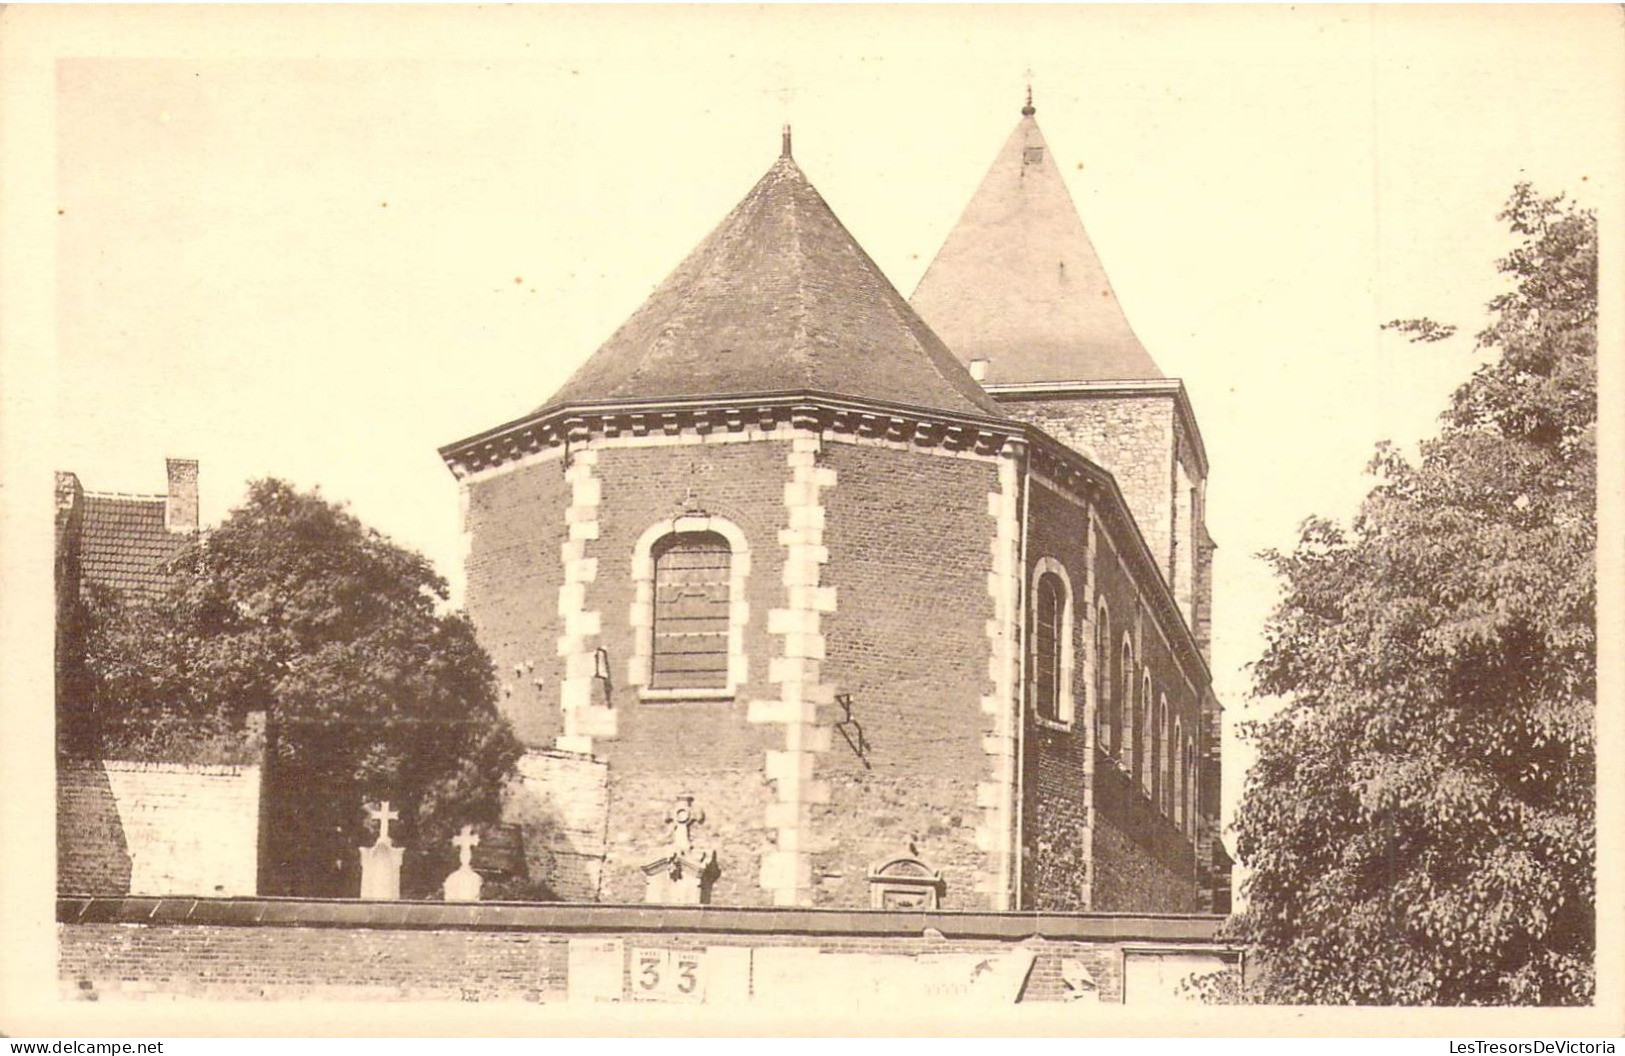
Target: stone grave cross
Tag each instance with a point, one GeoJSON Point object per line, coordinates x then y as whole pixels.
{"type": "Point", "coordinates": [683, 817]}
{"type": "Point", "coordinates": [464, 884]}
{"type": "Point", "coordinates": [381, 863]}
{"type": "Point", "coordinates": [465, 842]}
{"type": "Point", "coordinates": [383, 816]}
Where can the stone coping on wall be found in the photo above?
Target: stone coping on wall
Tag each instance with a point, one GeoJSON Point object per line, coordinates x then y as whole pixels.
{"type": "Point", "coordinates": [579, 917]}
{"type": "Point", "coordinates": [142, 766]}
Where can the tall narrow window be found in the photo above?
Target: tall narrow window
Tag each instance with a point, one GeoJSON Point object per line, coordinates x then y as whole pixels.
{"type": "Point", "coordinates": [1103, 680]}
{"type": "Point", "coordinates": [1125, 706]}
{"type": "Point", "coordinates": [1160, 793]}
{"type": "Point", "coordinates": [1050, 666]}
{"type": "Point", "coordinates": [1050, 606]}
{"type": "Point", "coordinates": [1144, 760]}
{"type": "Point", "coordinates": [1177, 793]}
{"type": "Point", "coordinates": [690, 647]}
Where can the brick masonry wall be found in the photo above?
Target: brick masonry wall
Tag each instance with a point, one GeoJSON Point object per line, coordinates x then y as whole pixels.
{"type": "Point", "coordinates": [157, 828]}
{"type": "Point", "coordinates": [515, 524]}
{"type": "Point", "coordinates": [909, 540]}
{"type": "Point", "coordinates": [907, 537]}
{"type": "Point", "coordinates": [1055, 787]}
{"type": "Point", "coordinates": [333, 964]}
{"type": "Point", "coordinates": [102, 959]}
{"type": "Point", "coordinates": [1141, 857]}
{"type": "Point", "coordinates": [1142, 441]}
{"type": "Point", "coordinates": [1093, 833]}
{"type": "Point", "coordinates": [1214, 874]}
{"type": "Point", "coordinates": [92, 852]}
{"type": "Point", "coordinates": [1055, 821]}
{"type": "Point", "coordinates": [704, 747]}
{"type": "Point", "coordinates": [1142, 864]}
{"type": "Point", "coordinates": [1130, 436]}
{"type": "Point", "coordinates": [905, 547]}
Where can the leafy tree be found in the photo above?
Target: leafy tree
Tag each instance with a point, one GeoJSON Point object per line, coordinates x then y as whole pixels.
{"type": "Point", "coordinates": [294, 615]}
{"type": "Point", "coordinates": [1421, 821]}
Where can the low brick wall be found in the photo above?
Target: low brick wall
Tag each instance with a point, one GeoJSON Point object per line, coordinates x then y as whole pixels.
{"type": "Point", "coordinates": [120, 948]}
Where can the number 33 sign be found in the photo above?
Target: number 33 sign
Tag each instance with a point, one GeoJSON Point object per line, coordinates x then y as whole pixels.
{"type": "Point", "coordinates": [668, 975]}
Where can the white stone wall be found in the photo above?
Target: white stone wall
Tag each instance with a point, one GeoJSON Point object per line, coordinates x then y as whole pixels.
{"type": "Point", "coordinates": [184, 829]}
{"type": "Point", "coordinates": [562, 800]}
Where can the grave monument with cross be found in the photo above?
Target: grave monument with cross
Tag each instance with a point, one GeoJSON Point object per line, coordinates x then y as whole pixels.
{"type": "Point", "coordinates": [381, 863]}
{"type": "Point", "coordinates": [684, 875]}
{"type": "Point", "coordinates": [464, 884]}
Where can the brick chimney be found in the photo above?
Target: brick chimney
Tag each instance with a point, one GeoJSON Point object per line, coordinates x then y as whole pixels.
{"type": "Point", "coordinates": [70, 519]}
{"type": "Point", "coordinates": [69, 493]}
{"type": "Point", "coordinates": [180, 505]}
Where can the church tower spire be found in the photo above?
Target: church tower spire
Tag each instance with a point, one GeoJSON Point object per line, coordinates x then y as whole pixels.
{"type": "Point", "coordinates": [1020, 295]}
{"type": "Point", "coordinates": [1018, 284]}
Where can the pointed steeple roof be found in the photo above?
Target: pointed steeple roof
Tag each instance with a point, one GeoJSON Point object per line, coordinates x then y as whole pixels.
{"type": "Point", "coordinates": [778, 298]}
{"type": "Point", "coordinates": [1019, 284]}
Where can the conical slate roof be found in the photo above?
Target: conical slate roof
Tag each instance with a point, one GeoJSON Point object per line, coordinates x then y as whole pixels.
{"type": "Point", "coordinates": [1019, 284]}
{"type": "Point", "coordinates": [778, 298]}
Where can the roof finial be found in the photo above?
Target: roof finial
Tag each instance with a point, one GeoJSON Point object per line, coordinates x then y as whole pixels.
{"type": "Point", "coordinates": [784, 151]}
{"type": "Point", "coordinates": [1028, 111]}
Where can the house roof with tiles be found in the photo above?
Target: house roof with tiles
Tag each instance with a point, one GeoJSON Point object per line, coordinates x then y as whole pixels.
{"type": "Point", "coordinates": [778, 298]}
{"type": "Point", "coordinates": [1018, 285]}
{"type": "Point", "coordinates": [123, 543]}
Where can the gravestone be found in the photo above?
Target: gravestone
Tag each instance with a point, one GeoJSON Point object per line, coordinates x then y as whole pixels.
{"type": "Point", "coordinates": [381, 863]}
{"type": "Point", "coordinates": [685, 874]}
{"type": "Point", "coordinates": [464, 884]}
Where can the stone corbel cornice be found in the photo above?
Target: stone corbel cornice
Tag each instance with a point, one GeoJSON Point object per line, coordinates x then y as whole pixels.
{"type": "Point", "coordinates": [579, 423]}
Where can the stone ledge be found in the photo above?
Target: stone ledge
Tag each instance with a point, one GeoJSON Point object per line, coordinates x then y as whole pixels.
{"type": "Point", "coordinates": [136, 766]}
{"type": "Point", "coordinates": [585, 917]}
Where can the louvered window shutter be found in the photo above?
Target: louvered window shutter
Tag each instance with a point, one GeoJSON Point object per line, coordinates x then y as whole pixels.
{"type": "Point", "coordinates": [691, 612]}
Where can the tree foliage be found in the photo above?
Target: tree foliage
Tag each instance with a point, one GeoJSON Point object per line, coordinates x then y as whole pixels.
{"type": "Point", "coordinates": [294, 611]}
{"type": "Point", "coordinates": [1421, 821]}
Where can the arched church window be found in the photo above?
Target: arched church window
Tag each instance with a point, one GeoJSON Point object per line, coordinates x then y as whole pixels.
{"type": "Point", "coordinates": [1051, 675]}
{"type": "Point", "coordinates": [1160, 794]}
{"type": "Point", "coordinates": [1122, 736]}
{"type": "Point", "coordinates": [1144, 761]}
{"type": "Point", "coordinates": [1103, 680]}
{"type": "Point", "coordinates": [1178, 792]}
{"type": "Point", "coordinates": [688, 609]}
{"type": "Point", "coordinates": [691, 604]}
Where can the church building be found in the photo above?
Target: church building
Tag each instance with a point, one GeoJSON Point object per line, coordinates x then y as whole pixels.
{"type": "Point", "coordinates": [820, 596]}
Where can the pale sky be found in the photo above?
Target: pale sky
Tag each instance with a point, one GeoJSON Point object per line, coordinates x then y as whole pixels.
{"type": "Point", "coordinates": [320, 244]}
